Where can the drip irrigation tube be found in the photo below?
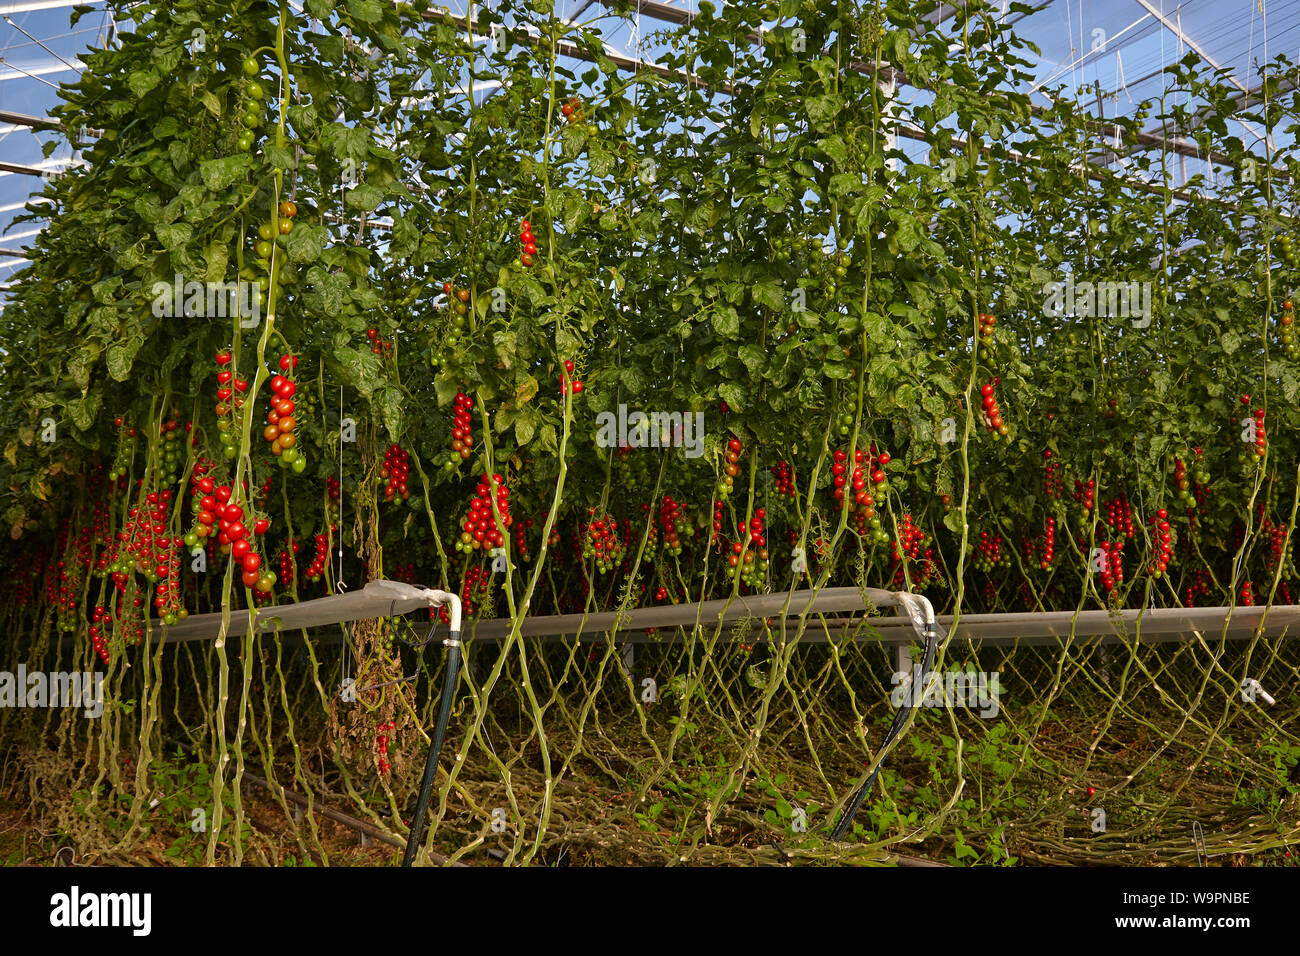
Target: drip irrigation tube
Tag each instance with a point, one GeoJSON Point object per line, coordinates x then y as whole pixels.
{"type": "Point", "coordinates": [922, 614]}
{"type": "Point", "coordinates": [452, 643]}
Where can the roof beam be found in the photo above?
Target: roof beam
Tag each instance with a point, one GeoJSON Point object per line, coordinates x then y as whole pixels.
{"type": "Point", "coordinates": [1191, 44]}
{"type": "Point", "coordinates": [34, 5]}
{"type": "Point", "coordinates": [25, 119]}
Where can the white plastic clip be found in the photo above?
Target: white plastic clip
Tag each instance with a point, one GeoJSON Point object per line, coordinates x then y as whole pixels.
{"type": "Point", "coordinates": [1251, 690]}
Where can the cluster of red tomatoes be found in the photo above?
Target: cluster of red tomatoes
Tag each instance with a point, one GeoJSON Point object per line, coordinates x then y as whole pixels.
{"type": "Point", "coordinates": [1277, 546]}
{"type": "Point", "coordinates": [479, 528]}
{"type": "Point", "coordinates": [394, 472]}
{"type": "Point", "coordinates": [992, 413]}
{"type": "Point", "coordinates": [989, 553]}
{"type": "Point", "coordinates": [1085, 494]}
{"type": "Point", "coordinates": [672, 518]}
{"type": "Point", "coordinates": [230, 395]}
{"type": "Point", "coordinates": [732, 468]}
{"type": "Point", "coordinates": [521, 537]}
{"type": "Point", "coordinates": [281, 424]}
{"type": "Point", "coordinates": [1112, 564]}
{"type": "Point", "coordinates": [378, 344]}
{"type": "Point", "coordinates": [146, 540]}
{"type": "Point", "coordinates": [1164, 543]}
{"type": "Point", "coordinates": [1287, 335]}
{"type": "Point", "coordinates": [1049, 544]}
{"type": "Point", "coordinates": [317, 566]}
{"type": "Point", "coordinates": [286, 561]}
{"type": "Point", "coordinates": [216, 510]}
{"type": "Point", "coordinates": [97, 640]}
{"type": "Point", "coordinates": [987, 324]}
{"type": "Point", "coordinates": [783, 479]}
{"type": "Point", "coordinates": [751, 563]}
{"type": "Point", "coordinates": [600, 541]}
{"type": "Point", "coordinates": [1119, 516]}
{"type": "Point", "coordinates": [1261, 441]}
{"type": "Point", "coordinates": [566, 377]}
{"type": "Point", "coordinates": [527, 244]}
{"type": "Point", "coordinates": [476, 579]}
{"type": "Point", "coordinates": [572, 110]}
{"type": "Point", "coordinates": [1053, 483]}
{"type": "Point", "coordinates": [462, 430]}
{"type": "Point", "coordinates": [912, 539]}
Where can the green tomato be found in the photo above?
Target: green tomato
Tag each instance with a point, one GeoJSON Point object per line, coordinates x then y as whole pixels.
{"type": "Point", "coordinates": [265, 232]}
{"type": "Point", "coordinates": [250, 67]}
{"type": "Point", "coordinates": [299, 466]}
{"type": "Point", "coordinates": [191, 539]}
{"type": "Point", "coordinates": [250, 120]}
{"type": "Point", "coordinates": [263, 248]}
{"type": "Point", "coordinates": [245, 141]}
{"type": "Point", "coordinates": [255, 90]}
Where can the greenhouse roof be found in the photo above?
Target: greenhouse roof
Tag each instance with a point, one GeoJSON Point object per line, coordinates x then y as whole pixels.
{"type": "Point", "coordinates": [1110, 55]}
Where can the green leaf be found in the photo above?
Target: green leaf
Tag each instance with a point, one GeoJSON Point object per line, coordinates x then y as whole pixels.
{"type": "Point", "coordinates": [363, 369]}
{"type": "Point", "coordinates": [120, 356]}
{"type": "Point", "coordinates": [174, 235]}
{"type": "Point", "coordinates": [366, 11]}
{"type": "Point", "coordinates": [633, 379]}
{"type": "Point", "coordinates": [823, 110]}
{"type": "Point", "coordinates": [306, 242]}
{"type": "Point", "coordinates": [281, 157]}
{"type": "Point", "coordinates": [753, 357]}
{"type": "Point", "coordinates": [389, 400]}
{"type": "Point", "coordinates": [446, 386]}
{"type": "Point", "coordinates": [726, 322]}
{"type": "Point", "coordinates": [732, 395]}
{"type": "Point", "coordinates": [365, 196]}
{"type": "Point", "coordinates": [83, 411]}
{"type": "Point", "coordinates": [219, 173]}
{"type": "Point", "coordinates": [327, 291]}
{"type": "Point", "coordinates": [142, 81]}
{"type": "Point", "coordinates": [505, 344]}
{"type": "Point", "coordinates": [526, 388]}
{"type": "Point", "coordinates": [768, 293]}
{"type": "Point", "coordinates": [526, 426]}
{"type": "Point", "coordinates": [210, 101]}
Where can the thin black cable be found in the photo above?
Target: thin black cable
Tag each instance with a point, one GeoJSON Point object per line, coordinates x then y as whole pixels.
{"type": "Point", "coordinates": [841, 828]}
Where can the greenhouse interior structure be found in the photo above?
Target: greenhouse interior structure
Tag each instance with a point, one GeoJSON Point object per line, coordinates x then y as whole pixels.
{"type": "Point", "coordinates": [650, 433]}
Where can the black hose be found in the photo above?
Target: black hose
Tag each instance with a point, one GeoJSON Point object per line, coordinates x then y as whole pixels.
{"type": "Point", "coordinates": [846, 821]}
{"type": "Point", "coordinates": [431, 765]}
